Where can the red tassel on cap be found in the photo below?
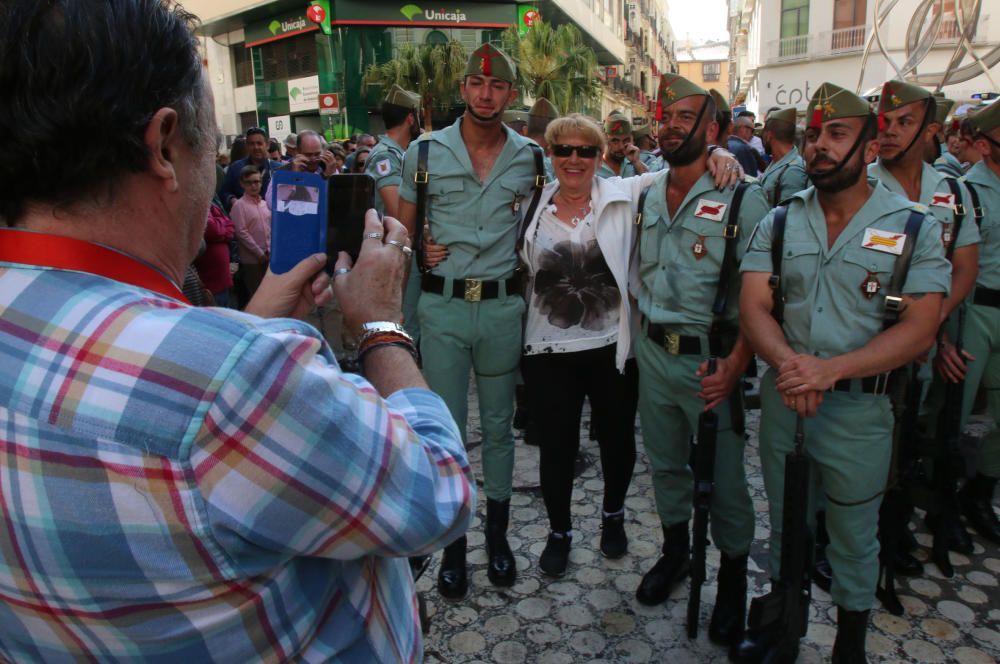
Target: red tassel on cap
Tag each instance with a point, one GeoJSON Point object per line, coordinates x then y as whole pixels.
{"type": "Point", "coordinates": [881, 120]}
{"type": "Point", "coordinates": [659, 109]}
{"type": "Point", "coordinates": [817, 117]}
{"type": "Point", "coordinates": [487, 70]}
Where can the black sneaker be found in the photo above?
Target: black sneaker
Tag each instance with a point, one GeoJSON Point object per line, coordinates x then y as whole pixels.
{"type": "Point", "coordinates": [614, 542]}
{"type": "Point", "coordinates": [555, 557]}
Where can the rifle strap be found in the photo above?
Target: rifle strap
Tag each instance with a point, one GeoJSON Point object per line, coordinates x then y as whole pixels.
{"type": "Point", "coordinates": [540, 181]}
{"type": "Point", "coordinates": [777, 249]}
{"type": "Point", "coordinates": [977, 210]}
{"type": "Point", "coordinates": [958, 215]}
{"type": "Point", "coordinates": [420, 179]}
{"type": "Point", "coordinates": [731, 233]}
{"type": "Point", "coordinates": [893, 298]}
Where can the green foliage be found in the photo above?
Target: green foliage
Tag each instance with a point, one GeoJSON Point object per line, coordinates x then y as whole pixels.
{"type": "Point", "coordinates": [432, 71]}
{"type": "Point", "coordinates": [556, 64]}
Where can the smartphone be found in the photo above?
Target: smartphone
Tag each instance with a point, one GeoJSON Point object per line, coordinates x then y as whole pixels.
{"type": "Point", "coordinates": [298, 218]}
{"type": "Point", "coordinates": [350, 196]}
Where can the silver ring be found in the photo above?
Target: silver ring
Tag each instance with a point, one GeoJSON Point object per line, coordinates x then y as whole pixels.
{"type": "Point", "coordinates": [402, 247]}
{"type": "Point", "coordinates": [373, 236]}
{"type": "Point", "coordinates": [341, 270]}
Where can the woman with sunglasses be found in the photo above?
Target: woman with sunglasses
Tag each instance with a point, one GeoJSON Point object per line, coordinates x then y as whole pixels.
{"type": "Point", "coordinates": [579, 326]}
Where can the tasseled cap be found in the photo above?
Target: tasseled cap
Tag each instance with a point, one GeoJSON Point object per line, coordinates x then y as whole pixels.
{"type": "Point", "coordinates": [488, 60]}
{"type": "Point", "coordinates": [895, 95]}
{"type": "Point", "coordinates": [987, 119]}
{"type": "Point", "coordinates": [617, 125]}
{"type": "Point", "coordinates": [673, 88]}
{"type": "Point", "coordinates": [831, 102]}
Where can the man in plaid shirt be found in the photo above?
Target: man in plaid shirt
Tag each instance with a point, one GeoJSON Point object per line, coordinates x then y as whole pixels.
{"type": "Point", "coordinates": [181, 484]}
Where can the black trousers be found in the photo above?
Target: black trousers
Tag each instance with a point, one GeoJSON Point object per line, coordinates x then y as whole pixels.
{"type": "Point", "coordinates": [556, 385]}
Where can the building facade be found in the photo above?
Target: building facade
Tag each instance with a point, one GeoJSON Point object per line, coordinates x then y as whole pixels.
{"type": "Point", "coordinates": [782, 49]}
{"type": "Point", "coordinates": [293, 65]}
{"type": "Point", "coordinates": [706, 64]}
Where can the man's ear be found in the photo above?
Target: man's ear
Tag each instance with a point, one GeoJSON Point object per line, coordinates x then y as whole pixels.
{"type": "Point", "coordinates": [161, 137]}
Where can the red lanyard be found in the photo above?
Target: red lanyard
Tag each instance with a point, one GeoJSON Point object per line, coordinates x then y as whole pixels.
{"type": "Point", "coordinates": [64, 253]}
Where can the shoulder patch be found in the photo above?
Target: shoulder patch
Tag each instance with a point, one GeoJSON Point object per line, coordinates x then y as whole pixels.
{"type": "Point", "coordinates": [383, 167]}
{"type": "Point", "coordinates": [711, 210]}
{"type": "Point", "coordinates": [944, 200]}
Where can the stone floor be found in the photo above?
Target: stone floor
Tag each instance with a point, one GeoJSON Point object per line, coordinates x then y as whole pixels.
{"type": "Point", "coordinates": [591, 615]}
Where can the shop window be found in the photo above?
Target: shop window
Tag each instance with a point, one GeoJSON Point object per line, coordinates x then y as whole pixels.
{"type": "Point", "coordinates": [247, 120]}
{"type": "Point", "coordinates": [242, 65]}
{"type": "Point", "coordinates": [293, 57]}
{"type": "Point", "coordinates": [436, 38]}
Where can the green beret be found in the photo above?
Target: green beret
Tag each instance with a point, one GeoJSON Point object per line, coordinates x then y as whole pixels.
{"type": "Point", "coordinates": [515, 115]}
{"type": "Point", "coordinates": [721, 105]}
{"type": "Point", "coordinates": [399, 97]}
{"type": "Point", "coordinates": [617, 124]}
{"type": "Point", "coordinates": [673, 88]}
{"type": "Point", "coordinates": [543, 108]}
{"type": "Point", "coordinates": [943, 108]}
{"type": "Point", "coordinates": [488, 60]}
{"type": "Point", "coordinates": [832, 102]}
{"type": "Point", "coordinates": [788, 115]}
{"type": "Point", "coordinates": [987, 119]}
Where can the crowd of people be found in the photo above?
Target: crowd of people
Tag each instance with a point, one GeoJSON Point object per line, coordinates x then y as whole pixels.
{"type": "Point", "coordinates": [208, 483]}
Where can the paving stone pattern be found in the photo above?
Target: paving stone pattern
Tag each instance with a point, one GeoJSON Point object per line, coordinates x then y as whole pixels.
{"type": "Point", "coordinates": [590, 615]}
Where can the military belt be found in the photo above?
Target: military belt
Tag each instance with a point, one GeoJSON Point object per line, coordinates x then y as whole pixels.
{"type": "Point", "coordinates": [675, 344]}
{"type": "Point", "coordinates": [986, 297]}
{"type": "Point", "coordinates": [872, 385]}
{"type": "Point", "coordinates": [470, 290]}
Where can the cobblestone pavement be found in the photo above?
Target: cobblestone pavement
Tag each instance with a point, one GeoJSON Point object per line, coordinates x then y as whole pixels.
{"type": "Point", "coordinates": [591, 615]}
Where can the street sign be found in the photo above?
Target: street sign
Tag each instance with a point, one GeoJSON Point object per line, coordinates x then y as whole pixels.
{"type": "Point", "coordinates": [329, 104]}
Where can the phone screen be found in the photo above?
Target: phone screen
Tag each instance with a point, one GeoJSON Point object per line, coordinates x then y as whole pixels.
{"type": "Point", "coordinates": [298, 218]}
{"type": "Point", "coordinates": [350, 196]}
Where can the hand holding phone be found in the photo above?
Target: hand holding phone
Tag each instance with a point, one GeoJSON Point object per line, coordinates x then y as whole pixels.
{"type": "Point", "coordinates": [298, 218]}
{"type": "Point", "coordinates": [351, 196]}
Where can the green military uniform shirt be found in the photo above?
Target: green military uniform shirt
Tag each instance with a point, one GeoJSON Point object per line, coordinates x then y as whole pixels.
{"type": "Point", "coordinates": [628, 170]}
{"type": "Point", "coordinates": [935, 194]}
{"type": "Point", "coordinates": [789, 172]}
{"type": "Point", "coordinates": [987, 186]}
{"type": "Point", "coordinates": [653, 163]}
{"type": "Point", "coordinates": [477, 221]}
{"type": "Point", "coordinates": [826, 310]}
{"type": "Point", "coordinates": [680, 258]}
{"type": "Point", "coordinates": [949, 164]}
{"type": "Point", "coordinates": [385, 165]}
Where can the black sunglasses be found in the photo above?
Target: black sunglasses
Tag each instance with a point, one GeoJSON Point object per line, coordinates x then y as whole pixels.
{"type": "Point", "coordinates": [584, 151]}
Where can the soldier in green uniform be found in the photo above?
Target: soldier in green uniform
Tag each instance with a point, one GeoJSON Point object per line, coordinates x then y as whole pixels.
{"type": "Point", "coordinates": [517, 119]}
{"type": "Point", "coordinates": [981, 363]}
{"type": "Point", "coordinates": [643, 139]}
{"type": "Point", "coordinates": [401, 114]}
{"type": "Point", "coordinates": [937, 154]}
{"type": "Point", "coordinates": [907, 126]}
{"type": "Point", "coordinates": [685, 223]}
{"type": "Point", "coordinates": [479, 174]}
{"type": "Point", "coordinates": [786, 174]}
{"type": "Point", "coordinates": [621, 157]}
{"type": "Point", "coordinates": [829, 357]}
{"type": "Point", "coordinates": [541, 114]}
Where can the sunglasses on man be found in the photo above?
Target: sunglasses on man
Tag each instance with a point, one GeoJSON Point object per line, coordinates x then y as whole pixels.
{"type": "Point", "coordinates": [584, 151]}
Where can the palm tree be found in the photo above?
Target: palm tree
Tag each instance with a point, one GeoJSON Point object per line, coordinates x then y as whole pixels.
{"type": "Point", "coordinates": [555, 63]}
{"type": "Point", "coordinates": [432, 71]}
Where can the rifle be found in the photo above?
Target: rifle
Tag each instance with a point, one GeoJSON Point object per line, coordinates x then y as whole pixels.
{"type": "Point", "coordinates": [784, 612]}
{"type": "Point", "coordinates": [949, 435]}
{"type": "Point", "coordinates": [893, 513]}
{"type": "Point", "coordinates": [704, 479]}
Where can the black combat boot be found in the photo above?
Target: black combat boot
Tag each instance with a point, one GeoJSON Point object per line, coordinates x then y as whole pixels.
{"type": "Point", "coordinates": [673, 565]}
{"type": "Point", "coordinates": [977, 505]}
{"type": "Point", "coordinates": [501, 570]}
{"type": "Point", "coordinates": [730, 612]}
{"type": "Point", "coordinates": [849, 647]}
{"type": "Point", "coordinates": [758, 644]}
{"type": "Point", "coordinates": [453, 581]}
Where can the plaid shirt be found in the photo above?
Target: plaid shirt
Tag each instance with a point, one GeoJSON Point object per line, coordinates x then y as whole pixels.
{"type": "Point", "coordinates": [199, 485]}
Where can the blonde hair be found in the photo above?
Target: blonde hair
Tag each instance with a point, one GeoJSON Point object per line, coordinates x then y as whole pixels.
{"type": "Point", "coordinates": [576, 124]}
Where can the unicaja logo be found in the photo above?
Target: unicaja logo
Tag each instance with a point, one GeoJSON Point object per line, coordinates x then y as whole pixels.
{"type": "Point", "coordinates": [453, 16]}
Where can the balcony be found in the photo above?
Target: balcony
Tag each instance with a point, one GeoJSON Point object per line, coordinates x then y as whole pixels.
{"type": "Point", "coordinates": [950, 30]}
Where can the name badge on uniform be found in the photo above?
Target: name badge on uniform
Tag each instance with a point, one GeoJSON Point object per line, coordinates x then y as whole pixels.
{"type": "Point", "coordinates": [711, 210]}
{"type": "Point", "coordinates": [944, 200]}
{"type": "Point", "coordinates": [383, 167]}
{"type": "Point", "coordinates": [885, 241]}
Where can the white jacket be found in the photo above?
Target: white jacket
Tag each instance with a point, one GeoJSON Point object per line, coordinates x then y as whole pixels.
{"type": "Point", "coordinates": [613, 202]}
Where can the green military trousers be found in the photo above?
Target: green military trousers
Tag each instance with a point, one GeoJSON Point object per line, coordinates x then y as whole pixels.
{"type": "Point", "coordinates": [849, 444]}
{"type": "Point", "coordinates": [411, 298]}
{"type": "Point", "coordinates": [668, 410]}
{"type": "Point", "coordinates": [982, 341]}
{"type": "Point", "coordinates": [483, 337]}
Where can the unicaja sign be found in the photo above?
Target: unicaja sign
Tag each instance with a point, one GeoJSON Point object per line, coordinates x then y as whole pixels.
{"type": "Point", "coordinates": [452, 16]}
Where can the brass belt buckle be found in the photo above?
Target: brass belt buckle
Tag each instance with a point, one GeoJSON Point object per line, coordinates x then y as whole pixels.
{"type": "Point", "coordinates": [473, 290]}
{"type": "Point", "coordinates": [672, 343]}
